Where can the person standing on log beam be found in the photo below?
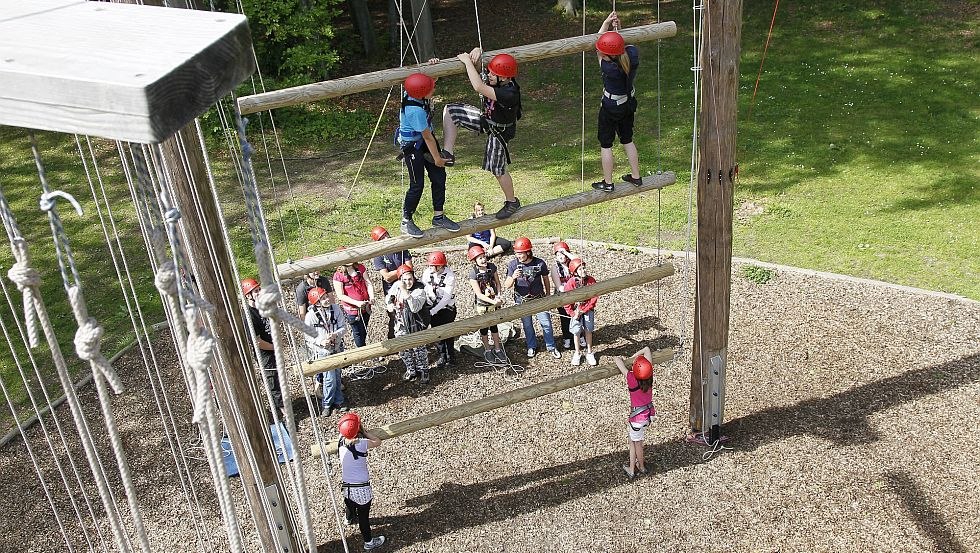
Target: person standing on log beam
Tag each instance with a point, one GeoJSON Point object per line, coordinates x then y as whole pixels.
{"type": "Point", "coordinates": [421, 153]}
{"type": "Point", "coordinates": [498, 119]}
{"type": "Point", "coordinates": [618, 63]}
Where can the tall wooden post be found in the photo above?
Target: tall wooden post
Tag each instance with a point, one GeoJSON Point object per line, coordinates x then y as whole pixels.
{"type": "Point", "coordinates": [201, 219]}
{"type": "Point", "coordinates": [718, 59]}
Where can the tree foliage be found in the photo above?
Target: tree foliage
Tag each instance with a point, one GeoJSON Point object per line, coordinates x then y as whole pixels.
{"type": "Point", "coordinates": [293, 38]}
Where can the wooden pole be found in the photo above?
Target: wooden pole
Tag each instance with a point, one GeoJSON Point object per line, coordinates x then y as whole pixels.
{"type": "Point", "coordinates": [305, 94]}
{"type": "Point", "coordinates": [201, 217]}
{"type": "Point", "coordinates": [330, 260]}
{"type": "Point", "coordinates": [497, 401]}
{"type": "Point", "coordinates": [472, 324]}
{"type": "Point", "coordinates": [718, 60]}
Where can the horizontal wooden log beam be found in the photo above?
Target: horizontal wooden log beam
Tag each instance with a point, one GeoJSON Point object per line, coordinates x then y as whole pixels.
{"type": "Point", "coordinates": [120, 71]}
{"type": "Point", "coordinates": [397, 243]}
{"type": "Point", "coordinates": [465, 326]}
{"type": "Point", "coordinates": [305, 94]}
{"type": "Point", "coordinates": [477, 406]}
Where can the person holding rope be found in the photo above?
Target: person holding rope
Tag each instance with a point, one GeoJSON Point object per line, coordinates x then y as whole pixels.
{"type": "Point", "coordinates": [486, 285]}
{"type": "Point", "coordinates": [530, 278]}
{"type": "Point", "coordinates": [353, 446]}
{"type": "Point", "coordinates": [415, 138]}
{"type": "Point", "coordinates": [330, 323]}
{"type": "Point", "coordinates": [559, 276]}
{"type": "Point", "coordinates": [439, 281]}
{"type": "Point", "coordinates": [356, 293]}
{"type": "Point", "coordinates": [498, 119]}
{"type": "Point", "coordinates": [406, 301]}
{"type": "Point", "coordinates": [492, 244]}
{"type": "Point", "coordinates": [618, 63]}
{"type": "Point", "coordinates": [581, 315]}
{"type": "Point", "coordinates": [639, 382]}
{"type": "Point", "coordinates": [262, 327]}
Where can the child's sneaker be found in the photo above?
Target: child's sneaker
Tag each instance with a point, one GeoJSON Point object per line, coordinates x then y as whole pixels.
{"type": "Point", "coordinates": [409, 375]}
{"type": "Point", "coordinates": [489, 357]}
{"type": "Point", "coordinates": [424, 379]}
{"type": "Point", "coordinates": [604, 186]}
{"type": "Point", "coordinates": [509, 209]}
{"type": "Point", "coordinates": [555, 353]}
{"type": "Point", "coordinates": [442, 221]}
{"type": "Point", "coordinates": [576, 359]}
{"type": "Point", "coordinates": [632, 180]}
{"type": "Point", "coordinates": [410, 228]}
{"type": "Point", "coordinates": [530, 352]}
{"type": "Point", "coordinates": [501, 356]}
{"type": "Point", "coordinates": [590, 359]}
{"type": "Point", "coordinates": [377, 542]}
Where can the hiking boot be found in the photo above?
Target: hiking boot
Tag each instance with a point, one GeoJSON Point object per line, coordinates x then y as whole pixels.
{"type": "Point", "coordinates": [603, 185]}
{"type": "Point", "coordinates": [424, 378]}
{"type": "Point", "coordinates": [409, 228]}
{"type": "Point", "coordinates": [442, 221]}
{"type": "Point", "coordinates": [377, 542]}
{"type": "Point", "coordinates": [632, 180]}
{"type": "Point", "coordinates": [509, 209]}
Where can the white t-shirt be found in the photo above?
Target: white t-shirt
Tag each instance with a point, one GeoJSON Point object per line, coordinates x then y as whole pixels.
{"type": "Point", "coordinates": [355, 471]}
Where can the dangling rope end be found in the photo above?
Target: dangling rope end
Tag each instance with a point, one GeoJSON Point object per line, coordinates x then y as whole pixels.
{"type": "Point", "coordinates": [49, 200]}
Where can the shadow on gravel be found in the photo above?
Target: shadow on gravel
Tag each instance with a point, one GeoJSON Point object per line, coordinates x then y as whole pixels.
{"type": "Point", "coordinates": [928, 520]}
{"type": "Point", "coordinates": [842, 419]}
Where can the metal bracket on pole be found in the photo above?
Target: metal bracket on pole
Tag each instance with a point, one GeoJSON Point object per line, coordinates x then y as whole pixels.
{"type": "Point", "coordinates": [716, 398]}
{"type": "Point", "coordinates": [278, 517]}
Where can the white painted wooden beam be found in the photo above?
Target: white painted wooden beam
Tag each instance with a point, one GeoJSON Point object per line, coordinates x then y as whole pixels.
{"type": "Point", "coordinates": [120, 71]}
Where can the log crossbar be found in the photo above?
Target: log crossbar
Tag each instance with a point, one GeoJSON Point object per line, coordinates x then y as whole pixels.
{"type": "Point", "coordinates": [297, 268]}
{"type": "Point", "coordinates": [458, 328]}
{"type": "Point", "coordinates": [336, 88]}
{"type": "Point", "coordinates": [477, 406]}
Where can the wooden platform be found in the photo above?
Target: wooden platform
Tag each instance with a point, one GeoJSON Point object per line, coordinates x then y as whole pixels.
{"type": "Point", "coordinates": [120, 71]}
{"type": "Point", "coordinates": [398, 242]}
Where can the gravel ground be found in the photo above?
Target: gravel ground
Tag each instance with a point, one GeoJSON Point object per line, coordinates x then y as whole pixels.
{"type": "Point", "coordinates": [847, 403]}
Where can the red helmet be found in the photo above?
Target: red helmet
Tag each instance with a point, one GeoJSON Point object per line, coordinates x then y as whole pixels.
{"type": "Point", "coordinates": [437, 259]}
{"type": "Point", "coordinates": [349, 425]}
{"type": "Point", "coordinates": [642, 368]}
{"type": "Point", "coordinates": [562, 246]}
{"type": "Point", "coordinates": [522, 244]}
{"type": "Point", "coordinates": [610, 43]}
{"type": "Point", "coordinates": [405, 268]}
{"type": "Point", "coordinates": [379, 232]}
{"type": "Point", "coordinates": [475, 252]}
{"type": "Point", "coordinates": [419, 85]}
{"type": "Point", "coordinates": [314, 295]}
{"type": "Point", "coordinates": [574, 264]}
{"type": "Point", "coordinates": [249, 285]}
{"type": "Point", "coordinates": [503, 65]}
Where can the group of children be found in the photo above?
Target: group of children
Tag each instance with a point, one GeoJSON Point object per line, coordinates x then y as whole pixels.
{"type": "Point", "coordinates": [345, 302]}
{"type": "Point", "coordinates": [497, 119]}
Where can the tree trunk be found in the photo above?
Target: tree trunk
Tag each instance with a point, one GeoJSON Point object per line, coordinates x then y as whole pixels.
{"type": "Point", "coordinates": [424, 41]}
{"type": "Point", "coordinates": [567, 7]}
{"type": "Point", "coordinates": [362, 20]}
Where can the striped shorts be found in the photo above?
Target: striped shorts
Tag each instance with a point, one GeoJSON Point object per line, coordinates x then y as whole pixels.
{"type": "Point", "coordinates": [471, 117]}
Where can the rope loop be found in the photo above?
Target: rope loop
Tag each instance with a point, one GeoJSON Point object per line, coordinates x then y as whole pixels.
{"type": "Point", "coordinates": [50, 199]}
{"type": "Point", "coordinates": [172, 215]}
{"type": "Point", "coordinates": [24, 276]}
{"type": "Point", "coordinates": [88, 343]}
{"type": "Point", "coordinates": [166, 278]}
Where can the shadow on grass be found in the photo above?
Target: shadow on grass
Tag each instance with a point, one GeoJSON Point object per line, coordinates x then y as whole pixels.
{"type": "Point", "coordinates": [841, 419]}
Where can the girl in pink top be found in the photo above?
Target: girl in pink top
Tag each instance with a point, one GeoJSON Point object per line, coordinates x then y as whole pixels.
{"type": "Point", "coordinates": [639, 381]}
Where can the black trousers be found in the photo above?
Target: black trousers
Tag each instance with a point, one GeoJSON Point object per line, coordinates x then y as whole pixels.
{"type": "Point", "coordinates": [361, 513]}
{"type": "Point", "coordinates": [417, 167]}
{"type": "Point", "coordinates": [445, 316]}
{"type": "Point", "coordinates": [566, 334]}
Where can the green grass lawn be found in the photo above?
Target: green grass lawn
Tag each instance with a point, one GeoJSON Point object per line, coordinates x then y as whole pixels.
{"type": "Point", "coordinates": [860, 156]}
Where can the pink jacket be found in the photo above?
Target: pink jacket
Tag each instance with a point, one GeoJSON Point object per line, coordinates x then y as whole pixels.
{"type": "Point", "coordinates": [584, 306]}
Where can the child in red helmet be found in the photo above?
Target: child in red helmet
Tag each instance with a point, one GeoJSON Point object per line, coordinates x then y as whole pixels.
{"type": "Point", "coordinates": [355, 292]}
{"type": "Point", "coordinates": [352, 448]}
{"type": "Point", "coordinates": [330, 323]}
{"type": "Point", "coordinates": [405, 300]}
{"type": "Point", "coordinates": [415, 139]}
{"type": "Point", "coordinates": [581, 314]}
{"type": "Point", "coordinates": [439, 281]}
{"type": "Point", "coordinates": [618, 63]}
{"type": "Point", "coordinates": [498, 118]}
{"type": "Point", "coordinates": [262, 328]}
{"type": "Point", "coordinates": [639, 382]}
{"type": "Point", "coordinates": [486, 287]}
